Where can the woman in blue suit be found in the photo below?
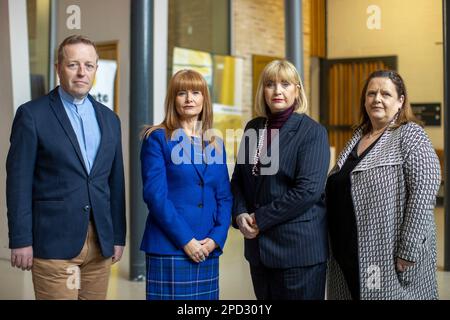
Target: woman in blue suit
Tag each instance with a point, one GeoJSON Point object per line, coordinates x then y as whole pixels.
{"type": "Point", "coordinates": [187, 191]}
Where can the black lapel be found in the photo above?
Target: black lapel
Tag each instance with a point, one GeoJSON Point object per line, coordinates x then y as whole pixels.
{"type": "Point", "coordinates": [101, 124]}
{"type": "Point", "coordinates": [250, 150]}
{"type": "Point", "coordinates": [61, 115]}
{"type": "Point", "coordinates": [249, 153]}
{"type": "Point", "coordinates": [286, 133]}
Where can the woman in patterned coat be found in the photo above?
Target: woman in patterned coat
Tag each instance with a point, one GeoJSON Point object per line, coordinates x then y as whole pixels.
{"type": "Point", "coordinates": [380, 198]}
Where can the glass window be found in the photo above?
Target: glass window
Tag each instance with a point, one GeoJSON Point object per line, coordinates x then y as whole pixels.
{"type": "Point", "coordinates": [202, 25]}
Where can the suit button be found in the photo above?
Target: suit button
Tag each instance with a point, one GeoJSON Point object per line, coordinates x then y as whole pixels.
{"type": "Point", "coordinates": [200, 205]}
{"type": "Point", "coordinates": [201, 184]}
{"type": "Point", "coordinates": [257, 206]}
{"type": "Point", "coordinates": [87, 208]}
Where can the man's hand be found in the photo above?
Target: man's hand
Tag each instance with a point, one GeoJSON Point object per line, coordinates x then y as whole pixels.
{"type": "Point", "coordinates": [196, 251]}
{"type": "Point", "coordinates": [209, 244]}
{"type": "Point", "coordinates": [118, 251]}
{"type": "Point", "coordinates": [401, 264]}
{"type": "Point", "coordinates": [247, 225]}
{"type": "Point", "coordinates": [22, 258]}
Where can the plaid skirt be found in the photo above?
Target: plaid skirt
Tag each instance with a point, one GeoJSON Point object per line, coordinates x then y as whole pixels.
{"type": "Point", "coordinates": [180, 278]}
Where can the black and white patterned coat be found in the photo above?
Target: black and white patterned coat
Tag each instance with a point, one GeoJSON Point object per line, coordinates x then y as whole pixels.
{"type": "Point", "coordinates": [394, 192]}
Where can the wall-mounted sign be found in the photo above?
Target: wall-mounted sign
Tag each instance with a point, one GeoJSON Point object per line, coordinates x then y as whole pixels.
{"type": "Point", "coordinates": [103, 88]}
{"type": "Point", "coordinates": [428, 113]}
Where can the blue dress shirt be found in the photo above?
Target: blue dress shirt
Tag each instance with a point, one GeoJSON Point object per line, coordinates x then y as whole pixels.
{"type": "Point", "coordinates": [82, 116]}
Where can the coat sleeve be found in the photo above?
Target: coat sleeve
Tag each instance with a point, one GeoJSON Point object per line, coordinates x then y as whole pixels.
{"type": "Point", "coordinates": [422, 176]}
{"type": "Point", "coordinates": [117, 190]}
{"type": "Point", "coordinates": [20, 166]}
{"type": "Point", "coordinates": [224, 202]}
{"type": "Point", "coordinates": [155, 191]}
{"type": "Point", "coordinates": [312, 162]}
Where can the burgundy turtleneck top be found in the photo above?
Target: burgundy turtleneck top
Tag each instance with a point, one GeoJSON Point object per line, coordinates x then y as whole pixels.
{"type": "Point", "coordinates": [277, 120]}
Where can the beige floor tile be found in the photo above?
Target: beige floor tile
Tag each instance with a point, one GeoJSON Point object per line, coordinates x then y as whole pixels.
{"type": "Point", "coordinates": [235, 281]}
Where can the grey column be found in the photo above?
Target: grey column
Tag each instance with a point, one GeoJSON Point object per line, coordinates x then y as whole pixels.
{"type": "Point", "coordinates": [446, 10]}
{"type": "Point", "coordinates": [141, 113]}
{"type": "Point", "coordinates": [294, 33]}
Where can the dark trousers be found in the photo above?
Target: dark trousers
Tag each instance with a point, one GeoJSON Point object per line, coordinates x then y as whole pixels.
{"type": "Point", "coordinates": [350, 269]}
{"type": "Point", "coordinates": [300, 283]}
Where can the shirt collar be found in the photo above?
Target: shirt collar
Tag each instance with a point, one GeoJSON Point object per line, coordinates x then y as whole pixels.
{"type": "Point", "coordinates": [69, 98]}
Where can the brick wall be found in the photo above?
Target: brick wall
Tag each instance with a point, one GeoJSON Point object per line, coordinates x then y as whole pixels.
{"type": "Point", "coordinates": [258, 29]}
{"type": "Point", "coordinates": [198, 25]}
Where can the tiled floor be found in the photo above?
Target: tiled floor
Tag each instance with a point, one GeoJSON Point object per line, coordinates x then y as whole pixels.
{"type": "Point", "coordinates": [235, 282]}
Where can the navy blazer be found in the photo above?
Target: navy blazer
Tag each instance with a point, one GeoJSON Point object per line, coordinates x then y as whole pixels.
{"type": "Point", "coordinates": [288, 205]}
{"type": "Point", "coordinates": [50, 195]}
{"type": "Point", "coordinates": [184, 201]}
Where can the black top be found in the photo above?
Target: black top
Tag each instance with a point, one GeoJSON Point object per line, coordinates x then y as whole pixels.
{"type": "Point", "coordinates": [340, 211]}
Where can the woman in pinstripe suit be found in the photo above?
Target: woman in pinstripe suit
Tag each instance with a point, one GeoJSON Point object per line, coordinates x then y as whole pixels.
{"type": "Point", "coordinates": [279, 193]}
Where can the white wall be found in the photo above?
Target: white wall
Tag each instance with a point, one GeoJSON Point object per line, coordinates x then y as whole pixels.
{"type": "Point", "coordinates": [15, 89]}
{"type": "Point", "coordinates": [6, 109]}
{"type": "Point", "coordinates": [14, 68]}
{"type": "Point", "coordinates": [411, 30]}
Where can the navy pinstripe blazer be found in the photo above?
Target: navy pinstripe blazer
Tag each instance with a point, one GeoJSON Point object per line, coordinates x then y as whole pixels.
{"type": "Point", "coordinates": [288, 205]}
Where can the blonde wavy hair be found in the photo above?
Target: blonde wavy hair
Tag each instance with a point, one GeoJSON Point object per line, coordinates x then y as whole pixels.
{"type": "Point", "coordinates": [280, 70]}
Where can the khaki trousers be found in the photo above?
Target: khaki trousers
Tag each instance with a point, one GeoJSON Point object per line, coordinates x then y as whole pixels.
{"type": "Point", "coordinates": [84, 277]}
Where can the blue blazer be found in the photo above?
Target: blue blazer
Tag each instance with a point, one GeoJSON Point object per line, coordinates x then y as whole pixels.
{"type": "Point", "coordinates": [289, 205]}
{"type": "Point", "coordinates": [184, 202]}
{"type": "Point", "coordinates": [50, 195]}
